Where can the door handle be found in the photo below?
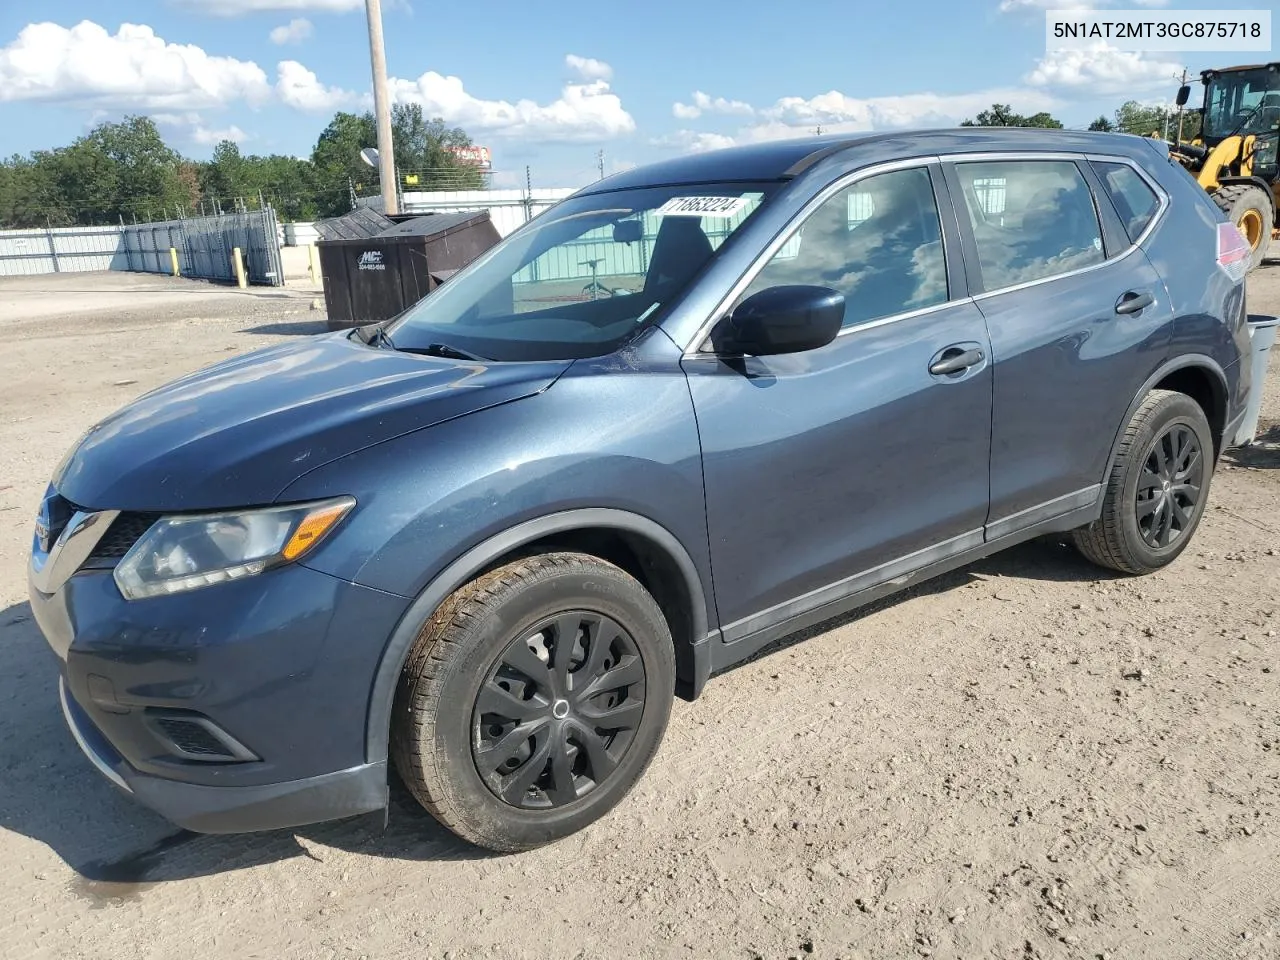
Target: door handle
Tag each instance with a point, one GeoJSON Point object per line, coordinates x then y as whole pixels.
{"type": "Point", "coordinates": [1134, 301]}
{"type": "Point", "coordinates": [954, 360]}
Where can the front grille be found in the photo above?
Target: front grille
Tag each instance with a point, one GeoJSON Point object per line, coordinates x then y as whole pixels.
{"type": "Point", "coordinates": [56, 513]}
{"type": "Point", "coordinates": [127, 529]}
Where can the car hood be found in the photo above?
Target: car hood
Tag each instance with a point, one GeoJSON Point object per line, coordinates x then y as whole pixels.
{"type": "Point", "coordinates": [239, 432]}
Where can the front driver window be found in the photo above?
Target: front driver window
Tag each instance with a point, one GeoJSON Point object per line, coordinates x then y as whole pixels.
{"type": "Point", "coordinates": [878, 242]}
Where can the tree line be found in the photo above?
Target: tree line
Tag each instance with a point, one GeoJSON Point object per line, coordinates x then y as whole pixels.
{"type": "Point", "coordinates": [1129, 117]}
{"type": "Point", "coordinates": [125, 171]}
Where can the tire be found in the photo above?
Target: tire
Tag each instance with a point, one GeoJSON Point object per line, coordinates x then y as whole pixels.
{"type": "Point", "coordinates": [1249, 208]}
{"type": "Point", "coordinates": [1131, 535]}
{"type": "Point", "coordinates": [500, 636]}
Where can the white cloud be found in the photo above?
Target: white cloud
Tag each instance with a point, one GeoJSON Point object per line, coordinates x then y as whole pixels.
{"type": "Point", "coordinates": [840, 113]}
{"type": "Point", "coordinates": [588, 68]}
{"type": "Point", "coordinates": [584, 111]}
{"type": "Point", "coordinates": [295, 31]}
{"type": "Point", "coordinates": [237, 8]}
{"type": "Point", "coordinates": [1102, 70]}
{"type": "Point", "coordinates": [209, 138]}
{"type": "Point", "coordinates": [695, 141]}
{"type": "Point", "coordinates": [131, 69]}
{"type": "Point", "coordinates": [703, 103]}
{"type": "Point", "coordinates": [301, 89]}
{"type": "Point", "coordinates": [836, 112]}
{"type": "Point", "coordinates": [190, 128]}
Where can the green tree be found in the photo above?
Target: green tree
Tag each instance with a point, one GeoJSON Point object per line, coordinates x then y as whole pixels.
{"type": "Point", "coordinates": [143, 167]}
{"type": "Point", "coordinates": [28, 194]}
{"type": "Point", "coordinates": [1133, 117]}
{"type": "Point", "coordinates": [422, 149]}
{"type": "Point", "coordinates": [422, 152]}
{"type": "Point", "coordinates": [1145, 120]}
{"type": "Point", "coordinates": [1102, 124]}
{"type": "Point", "coordinates": [1002, 115]}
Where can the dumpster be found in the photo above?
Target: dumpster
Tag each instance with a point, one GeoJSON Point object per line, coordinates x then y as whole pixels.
{"type": "Point", "coordinates": [1262, 334]}
{"type": "Point", "coordinates": [370, 278]}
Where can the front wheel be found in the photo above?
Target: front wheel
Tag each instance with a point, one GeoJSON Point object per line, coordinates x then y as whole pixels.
{"type": "Point", "coordinates": [1155, 495]}
{"type": "Point", "coordinates": [533, 700]}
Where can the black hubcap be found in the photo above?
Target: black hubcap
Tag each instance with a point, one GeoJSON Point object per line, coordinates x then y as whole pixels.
{"type": "Point", "coordinates": [558, 710]}
{"type": "Point", "coordinates": [1169, 488]}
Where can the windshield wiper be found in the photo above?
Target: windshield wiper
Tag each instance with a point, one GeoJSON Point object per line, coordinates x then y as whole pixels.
{"type": "Point", "coordinates": [378, 338]}
{"type": "Point", "coordinates": [443, 350]}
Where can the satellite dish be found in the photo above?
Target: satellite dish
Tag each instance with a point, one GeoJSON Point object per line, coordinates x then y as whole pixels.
{"type": "Point", "coordinates": [370, 156]}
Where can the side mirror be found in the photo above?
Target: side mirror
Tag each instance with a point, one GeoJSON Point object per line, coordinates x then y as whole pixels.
{"type": "Point", "coordinates": [1184, 94]}
{"type": "Point", "coordinates": [787, 319]}
{"type": "Point", "coordinates": [628, 231]}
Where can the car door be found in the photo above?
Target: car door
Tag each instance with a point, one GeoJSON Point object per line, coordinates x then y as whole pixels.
{"type": "Point", "coordinates": [840, 467]}
{"type": "Point", "coordinates": [1078, 319]}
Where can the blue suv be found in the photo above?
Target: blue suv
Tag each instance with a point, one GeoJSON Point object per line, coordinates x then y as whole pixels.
{"type": "Point", "coordinates": [692, 408]}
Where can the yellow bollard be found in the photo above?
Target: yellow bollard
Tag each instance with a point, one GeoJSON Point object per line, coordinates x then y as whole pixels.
{"type": "Point", "coordinates": [313, 265]}
{"type": "Point", "coordinates": [237, 261]}
{"type": "Point", "coordinates": [173, 257]}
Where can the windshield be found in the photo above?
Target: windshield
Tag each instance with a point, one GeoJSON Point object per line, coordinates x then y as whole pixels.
{"type": "Point", "coordinates": [581, 278]}
{"type": "Point", "coordinates": [1243, 101]}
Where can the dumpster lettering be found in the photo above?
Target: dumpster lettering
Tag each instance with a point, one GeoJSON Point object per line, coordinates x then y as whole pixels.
{"type": "Point", "coordinates": [372, 260]}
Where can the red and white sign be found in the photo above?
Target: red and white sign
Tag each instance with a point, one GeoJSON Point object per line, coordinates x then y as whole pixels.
{"type": "Point", "coordinates": [474, 155]}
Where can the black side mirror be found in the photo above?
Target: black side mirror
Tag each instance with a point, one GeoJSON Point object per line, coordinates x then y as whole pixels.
{"type": "Point", "coordinates": [787, 319]}
{"type": "Point", "coordinates": [628, 231]}
{"type": "Point", "coordinates": [1184, 94]}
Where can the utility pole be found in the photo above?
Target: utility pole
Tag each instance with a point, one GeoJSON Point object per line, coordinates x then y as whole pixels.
{"type": "Point", "coordinates": [382, 108]}
{"type": "Point", "coordinates": [1182, 84]}
{"type": "Point", "coordinates": [600, 161]}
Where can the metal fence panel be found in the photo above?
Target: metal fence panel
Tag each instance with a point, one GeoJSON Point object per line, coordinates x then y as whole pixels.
{"type": "Point", "coordinates": [204, 246]}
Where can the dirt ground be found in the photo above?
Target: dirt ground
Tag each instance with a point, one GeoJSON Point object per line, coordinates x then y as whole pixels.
{"type": "Point", "coordinates": [1024, 759]}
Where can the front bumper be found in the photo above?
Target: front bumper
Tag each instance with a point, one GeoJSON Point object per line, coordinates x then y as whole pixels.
{"type": "Point", "coordinates": [282, 663]}
{"type": "Point", "coordinates": [223, 809]}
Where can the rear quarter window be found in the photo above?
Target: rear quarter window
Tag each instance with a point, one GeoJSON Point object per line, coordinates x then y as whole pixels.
{"type": "Point", "coordinates": [1132, 196]}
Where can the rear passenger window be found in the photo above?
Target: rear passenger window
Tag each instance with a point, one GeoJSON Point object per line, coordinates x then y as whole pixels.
{"type": "Point", "coordinates": [1135, 201]}
{"type": "Point", "coordinates": [1031, 219]}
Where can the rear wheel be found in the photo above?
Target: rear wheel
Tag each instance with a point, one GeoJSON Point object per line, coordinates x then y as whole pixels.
{"type": "Point", "coordinates": [1249, 208]}
{"type": "Point", "coordinates": [1156, 492]}
{"type": "Point", "coordinates": [533, 700]}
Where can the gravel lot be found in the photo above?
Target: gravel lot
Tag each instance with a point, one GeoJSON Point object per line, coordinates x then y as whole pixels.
{"type": "Point", "coordinates": [1023, 759]}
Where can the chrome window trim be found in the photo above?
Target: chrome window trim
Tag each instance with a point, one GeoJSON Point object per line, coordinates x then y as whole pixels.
{"type": "Point", "coordinates": [49, 572]}
{"type": "Point", "coordinates": [958, 158]}
{"type": "Point", "coordinates": [784, 235]}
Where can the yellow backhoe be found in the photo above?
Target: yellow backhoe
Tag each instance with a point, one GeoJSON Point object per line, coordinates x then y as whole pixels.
{"type": "Point", "coordinates": [1234, 154]}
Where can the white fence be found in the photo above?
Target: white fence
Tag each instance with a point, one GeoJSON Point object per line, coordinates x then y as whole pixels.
{"type": "Point", "coordinates": [203, 244]}
{"type": "Point", "coordinates": [63, 250]}
{"type": "Point", "coordinates": [508, 209]}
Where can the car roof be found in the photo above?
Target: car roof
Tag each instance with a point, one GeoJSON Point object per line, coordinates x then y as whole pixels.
{"type": "Point", "coordinates": [786, 159]}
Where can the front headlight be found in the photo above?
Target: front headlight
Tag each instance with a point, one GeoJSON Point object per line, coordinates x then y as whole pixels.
{"type": "Point", "coordinates": [186, 552]}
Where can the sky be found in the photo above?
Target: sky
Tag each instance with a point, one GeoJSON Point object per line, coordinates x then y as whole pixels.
{"type": "Point", "coordinates": [549, 86]}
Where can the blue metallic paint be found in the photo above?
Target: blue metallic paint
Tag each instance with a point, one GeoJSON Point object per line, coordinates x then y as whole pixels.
{"type": "Point", "coordinates": [831, 477]}
{"type": "Point", "coordinates": [237, 433]}
{"type": "Point", "coordinates": [824, 463]}
{"type": "Point", "coordinates": [1045, 438]}
{"type": "Point", "coordinates": [283, 662]}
